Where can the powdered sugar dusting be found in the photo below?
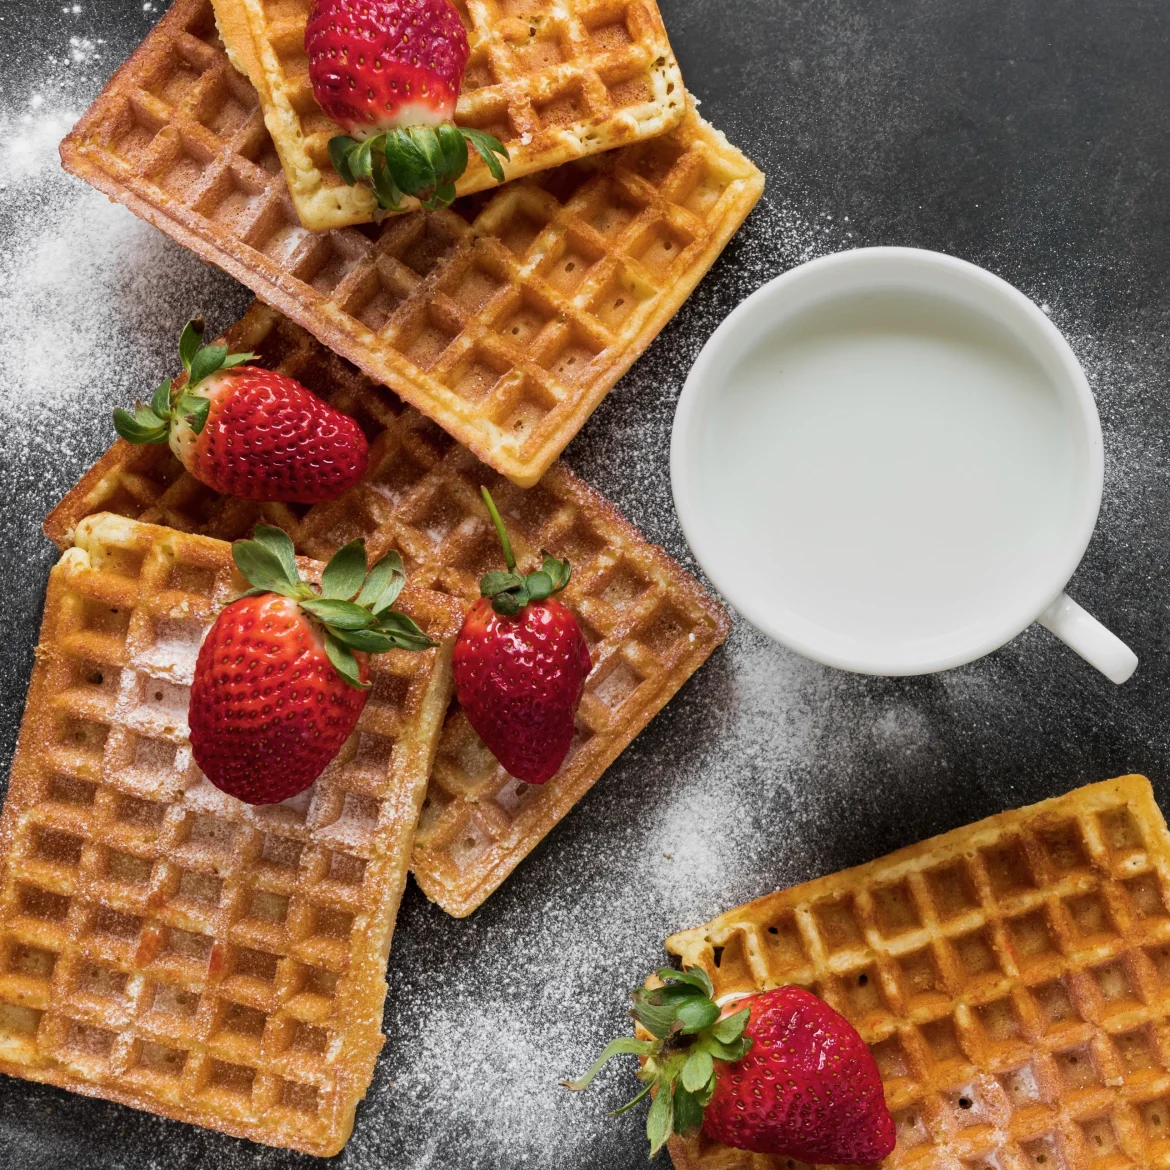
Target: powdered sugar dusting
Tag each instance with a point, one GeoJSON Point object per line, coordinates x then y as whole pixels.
{"type": "Point", "coordinates": [765, 770]}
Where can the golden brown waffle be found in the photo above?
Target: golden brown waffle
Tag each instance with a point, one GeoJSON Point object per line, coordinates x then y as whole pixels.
{"type": "Point", "coordinates": [161, 943]}
{"type": "Point", "coordinates": [506, 319]}
{"type": "Point", "coordinates": [553, 80]}
{"type": "Point", "coordinates": [1012, 979]}
{"type": "Point", "coordinates": [649, 624]}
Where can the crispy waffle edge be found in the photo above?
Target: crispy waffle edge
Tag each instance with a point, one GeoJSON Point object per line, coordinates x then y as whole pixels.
{"type": "Point", "coordinates": [443, 618]}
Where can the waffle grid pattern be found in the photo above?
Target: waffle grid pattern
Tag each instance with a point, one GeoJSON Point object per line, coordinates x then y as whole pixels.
{"type": "Point", "coordinates": [554, 80]}
{"type": "Point", "coordinates": [161, 943]}
{"type": "Point", "coordinates": [649, 624]}
{"type": "Point", "coordinates": [506, 319]}
{"type": "Point", "coordinates": [1012, 979]}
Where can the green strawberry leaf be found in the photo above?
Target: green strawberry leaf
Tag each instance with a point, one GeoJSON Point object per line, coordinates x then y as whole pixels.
{"type": "Point", "coordinates": [657, 1018]}
{"type": "Point", "coordinates": [427, 141]}
{"type": "Point", "coordinates": [371, 641]}
{"type": "Point", "coordinates": [409, 167]}
{"type": "Point", "coordinates": [694, 977]}
{"type": "Point", "coordinates": [189, 341]}
{"type": "Point", "coordinates": [677, 994]}
{"type": "Point", "coordinates": [383, 583]}
{"type": "Point", "coordinates": [344, 575]}
{"type": "Point", "coordinates": [732, 1052]}
{"type": "Point", "coordinates": [278, 542]}
{"type": "Point", "coordinates": [237, 359]}
{"type": "Point", "coordinates": [453, 146]}
{"type": "Point", "coordinates": [143, 426]}
{"type": "Point", "coordinates": [405, 631]}
{"type": "Point", "coordinates": [728, 1030]}
{"type": "Point", "coordinates": [385, 189]}
{"type": "Point", "coordinates": [698, 1070]}
{"type": "Point", "coordinates": [442, 196]}
{"type": "Point", "coordinates": [361, 160]}
{"type": "Point", "coordinates": [341, 147]}
{"type": "Point", "coordinates": [344, 662]}
{"type": "Point", "coordinates": [629, 1104]}
{"type": "Point", "coordinates": [493, 584]}
{"type": "Point", "coordinates": [341, 615]}
{"type": "Point", "coordinates": [205, 363]}
{"type": "Point", "coordinates": [688, 1112]}
{"type": "Point", "coordinates": [161, 402]}
{"type": "Point", "coordinates": [262, 568]}
{"type": "Point", "coordinates": [194, 409]}
{"type": "Point", "coordinates": [660, 1119]}
{"type": "Point", "coordinates": [696, 1014]}
{"type": "Point", "coordinates": [560, 572]}
{"type": "Point", "coordinates": [540, 585]}
{"type": "Point", "coordinates": [622, 1046]}
{"type": "Point", "coordinates": [509, 604]}
{"type": "Point", "coordinates": [487, 146]}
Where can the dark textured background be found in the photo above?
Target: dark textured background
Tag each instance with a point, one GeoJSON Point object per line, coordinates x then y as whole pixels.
{"type": "Point", "coordinates": [1029, 136]}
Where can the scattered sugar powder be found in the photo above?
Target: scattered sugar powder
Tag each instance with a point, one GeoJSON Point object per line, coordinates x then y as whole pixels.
{"type": "Point", "coordinates": [92, 298]}
{"type": "Point", "coordinates": [766, 770]}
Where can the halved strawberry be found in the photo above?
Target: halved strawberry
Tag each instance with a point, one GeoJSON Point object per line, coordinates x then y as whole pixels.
{"type": "Point", "coordinates": [389, 73]}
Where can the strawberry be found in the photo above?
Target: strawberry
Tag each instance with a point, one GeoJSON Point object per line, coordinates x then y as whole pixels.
{"type": "Point", "coordinates": [249, 432]}
{"type": "Point", "coordinates": [520, 665]}
{"type": "Point", "coordinates": [389, 72]}
{"type": "Point", "coordinates": [783, 1073]}
{"type": "Point", "coordinates": [283, 673]}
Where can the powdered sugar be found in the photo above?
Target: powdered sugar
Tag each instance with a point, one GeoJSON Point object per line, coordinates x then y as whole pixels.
{"type": "Point", "coordinates": [92, 298]}
{"type": "Point", "coordinates": [766, 770]}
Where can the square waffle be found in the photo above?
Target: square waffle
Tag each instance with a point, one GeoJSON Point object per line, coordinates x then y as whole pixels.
{"type": "Point", "coordinates": [163, 944]}
{"type": "Point", "coordinates": [553, 80]}
{"type": "Point", "coordinates": [506, 318]}
{"type": "Point", "coordinates": [1012, 979]}
{"type": "Point", "coordinates": [649, 624]}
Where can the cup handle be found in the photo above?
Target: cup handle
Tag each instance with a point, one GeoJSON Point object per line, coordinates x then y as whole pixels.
{"type": "Point", "coordinates": [1089, 638]}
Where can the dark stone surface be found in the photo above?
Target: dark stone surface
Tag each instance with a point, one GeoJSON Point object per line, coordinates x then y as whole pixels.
{"type": "Point", "coordinates": [1029, 136]}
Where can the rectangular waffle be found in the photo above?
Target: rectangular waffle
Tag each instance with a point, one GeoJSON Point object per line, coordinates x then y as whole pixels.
{"type": "Point", "coordinates": [161, 943]}
{"type": "Point", "coordinates": [649, 624]}
{"type": "Point", "coordinates": [506, 318]}
{"type": "Point", "coordinates": [1012, 979]}
{"type": "Point", "coordinates": [553, 80]}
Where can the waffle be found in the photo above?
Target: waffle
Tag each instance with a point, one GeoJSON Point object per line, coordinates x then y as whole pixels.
{"type": "Point", "coordinates": [553, 80]}
{"type": "Point", "coordinates": [649, 624]}
{"type": "Point", "coordinates": [161, 943]}
{"type": "Point", "coordinates": [1012, 979]}
{"type": "Point", "coordinates": [506, 318]}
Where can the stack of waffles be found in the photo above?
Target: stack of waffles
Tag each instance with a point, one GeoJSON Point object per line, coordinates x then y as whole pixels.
{"type": "Point", "coordinates": [1012, 979]}
{"type": "Point", "coordinates": [162, 944]}
{"type": "Point", "coordinates": [505, 319]}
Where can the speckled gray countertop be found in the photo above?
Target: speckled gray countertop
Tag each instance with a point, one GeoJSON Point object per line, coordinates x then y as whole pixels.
{"type": "Point", "coordinates": [1029, 136]}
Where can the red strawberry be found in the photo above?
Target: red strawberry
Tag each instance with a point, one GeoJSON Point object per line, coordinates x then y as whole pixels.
{"type": "Point", "coordinates": [520, 665]}
{"type": "Point", "coordinates": [283, 674]}
{"type": "Point", "coordinates": [388, 72]}
{"type": "Point", "coordinates": [249, 432]}
{"type": "Point", "coordinates": [784, 1074]}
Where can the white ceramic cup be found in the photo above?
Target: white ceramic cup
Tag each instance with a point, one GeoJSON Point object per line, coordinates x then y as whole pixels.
{"type": "Point", "coordinates": [890, 461]}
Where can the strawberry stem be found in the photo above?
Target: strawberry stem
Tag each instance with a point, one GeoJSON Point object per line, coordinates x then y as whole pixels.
{"type": "Point", "coordinates": [510, 592]}
{"type": "Point", "coordinates": [679, 1063]}
{"type": "Point", "coordinates": [501, 531]}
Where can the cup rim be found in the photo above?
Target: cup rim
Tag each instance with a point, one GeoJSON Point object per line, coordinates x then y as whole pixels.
{"type": "Point", "coordinates": [700, 384]}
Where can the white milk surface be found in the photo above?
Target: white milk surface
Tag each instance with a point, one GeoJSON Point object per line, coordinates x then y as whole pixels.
{"type": "Point", "coordinates": [894, 465]}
